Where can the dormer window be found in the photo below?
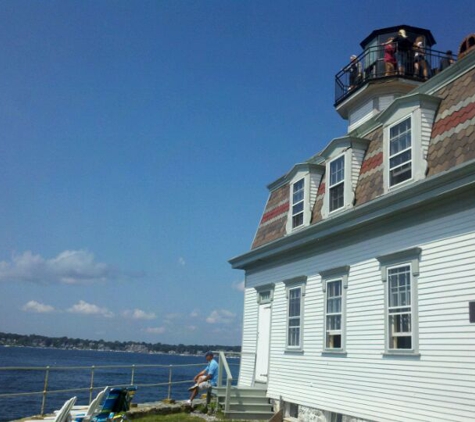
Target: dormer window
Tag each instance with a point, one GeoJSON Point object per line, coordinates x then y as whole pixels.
{"type": "Point", "coordinates": [400, 152]}
{"type": "Point", "coordinates": [343, 157]}
{"type": "Point", "coordinates": [337, 183]}
{"type": "Point", "coordinates": [303, 181]}
{"type": "Point", "coordinates": [298, 196]}
{"type": "Point", "coordinates": [407, 125]}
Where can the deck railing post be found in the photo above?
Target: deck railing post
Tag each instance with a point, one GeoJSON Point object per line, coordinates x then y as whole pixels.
{"type": "Point", "coordinates": [91, 388]}
{"type": "Point", "coordinates": [133, 375]}
{"type": "Point", "coordinates": [45, 392]}
{"type": "Point", "coordinates": [220, 371]}
{"type": "Point", "coordinates": [170, 382]}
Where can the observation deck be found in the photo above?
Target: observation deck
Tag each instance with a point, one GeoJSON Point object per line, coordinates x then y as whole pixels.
{"type": "Point", "coordinates": [369, 71]}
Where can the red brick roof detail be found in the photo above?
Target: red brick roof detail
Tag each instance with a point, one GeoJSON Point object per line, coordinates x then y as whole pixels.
{"type": "Point", "coordinates": [275, 212]}
{"type": "Point", "coordinates": [370, 181]}
{"type": "Point", "coordinates": [317, 208]}
{"type": "Point", "coordinates": [321, 188]}
{"type": "Point", "coordinates": [274, 220]}
{"type": "Point", "coordinates": [452, 143]}
{"type": "Point", "coordinates": [453, 135]}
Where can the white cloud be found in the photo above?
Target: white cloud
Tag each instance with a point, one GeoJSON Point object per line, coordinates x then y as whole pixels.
{"type": "Point", "coordinates": [238, 285]}
{"type": "Point", "coordinates": [172, 317]}
{"type": "Point", "coordinates": [84, 308]}
{"type": "Point", "coordinates": [221, 316]}
{"type": "Point", "coordinates": [138, 314]}
{"type": "Point", "coordinates": [195, 313]}
{"type": "Point", "coordinates": [34, 306]}
{"type": "Point", "coordinates": [191, 327]}
{"type": "Point", "coordinates": [181, 261]}
{"type": "Point", "coordinates": [69, 267]}
{"type": "Point", "coordinates": [155, 330]}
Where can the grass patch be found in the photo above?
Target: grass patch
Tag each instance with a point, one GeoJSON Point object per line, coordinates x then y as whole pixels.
{"type": "Point", "coordinates": [177, 417]}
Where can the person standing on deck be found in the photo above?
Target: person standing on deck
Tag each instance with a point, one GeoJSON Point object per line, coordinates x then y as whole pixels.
{"type": "Point", "coordinates": [404, 52]}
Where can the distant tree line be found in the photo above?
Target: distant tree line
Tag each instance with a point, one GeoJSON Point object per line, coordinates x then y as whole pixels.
{"type": "Point", "coordinates": [33, 340]}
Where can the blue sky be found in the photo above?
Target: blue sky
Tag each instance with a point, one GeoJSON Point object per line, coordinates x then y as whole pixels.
{"type": "Point", "coordinates": [137, 139]}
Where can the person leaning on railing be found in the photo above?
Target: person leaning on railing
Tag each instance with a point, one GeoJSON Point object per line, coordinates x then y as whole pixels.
{"type": "Point", "coordinates": [404, 50]}
{"type": "Point", "coordinates": [390, 62]}
{"type": "Point", "coordinates": [446, 61]}
{"type": "Point", "coordinates": [355, 71]}
{"type": "Point", "coordinates": [420, 62]}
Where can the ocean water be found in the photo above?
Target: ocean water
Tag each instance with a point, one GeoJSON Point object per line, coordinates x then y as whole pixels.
{"type": "Point", "coordinates": [21, 381]}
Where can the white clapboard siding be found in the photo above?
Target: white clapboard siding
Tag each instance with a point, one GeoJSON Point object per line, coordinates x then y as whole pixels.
{"type": "Point", "coordinates": [427, 121]}
{"type": "Point", "coordinates": [356, 162]}
{"type": "Point", "coordinates": [361, 114]}
{"type": "Point", "coordinates": [248, 349]}
{"type": "Point", "coordinates": [438, 385]}
{"type": "Point", "coordinates": [315, 179]}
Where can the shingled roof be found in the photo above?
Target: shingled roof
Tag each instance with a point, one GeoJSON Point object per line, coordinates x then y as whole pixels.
{"type": "Point", "coordinates": [452, 143]}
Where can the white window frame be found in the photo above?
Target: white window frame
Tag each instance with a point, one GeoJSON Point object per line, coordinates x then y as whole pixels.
{"type": "Point", "coordinates": [352, 150]}
{"type": "Point", "coordinates": [421, 109]}
{"type": "Point", "coordinates": [265, 293]}
{"type": "Point", "coordinates": [409, 258]}
{"type": "Point", "coordinates": [311, 175]}
{"type": "Point", "coordinates": [292, 286]}
{"type": "Point", "coordinates": [339, 274]}
{"type": "Point", "coordinates": [399, 153]}
{"type": "Point", "coordinates": [341, 182]}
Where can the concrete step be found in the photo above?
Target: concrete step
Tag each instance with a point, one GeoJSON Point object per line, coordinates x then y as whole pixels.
{"type": "Point", "coordinates": [249, 415]}
{"type": "Point", "coordinates": [245, 400]}
{"type": "Point", "coordinates": [250, 408]}
{"type": "Point", "coordinates": [241, 392]}
{"type": "Point", "coordinates": [246, 403]}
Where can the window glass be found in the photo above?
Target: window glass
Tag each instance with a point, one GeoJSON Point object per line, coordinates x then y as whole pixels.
{"type": "Point", "coordinates": [298, 203]}
{"type": "Point", "coordinates": [333, 314]}
{"type": "Point", "coordinates": [400, 152]}
{"type": "Point", "coordinates": [400, 309]}
{"type": "Point", "coordinates": [337, 177]}
{"type": "Point", "coordinates": [294, 317]}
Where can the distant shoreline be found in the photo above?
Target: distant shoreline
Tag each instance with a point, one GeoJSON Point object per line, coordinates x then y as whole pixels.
{"type": "Point", "coordinates": [65, 343]}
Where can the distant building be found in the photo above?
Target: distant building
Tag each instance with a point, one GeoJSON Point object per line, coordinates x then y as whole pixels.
{"type": "Point", "coordinates": [360, 283]}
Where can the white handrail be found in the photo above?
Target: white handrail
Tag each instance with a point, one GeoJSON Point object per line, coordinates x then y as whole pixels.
{"type": "Point", "coordinates": [223, 363]}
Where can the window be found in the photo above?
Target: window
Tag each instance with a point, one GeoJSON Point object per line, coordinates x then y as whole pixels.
{"type": "Point", "coordinates": [343, 160]}
{"type": "Point", "coordinates": [293, 335]}
{"type": "Point", "coordinates": [298, 203]}
{"type": "Point", "coordinates": [336, 417]}
{"type": "Point", "coordinates": [399, 272]}
{"type": "Point", "coordinates": [334, 286]}
{"type": "Point", "coordinates": [265, 293]}
{"type": "Point", "coordinates": [295, 289]}
{"type": "Point", "coordinates": [303, 181]}
{"type": "Point", "coordinates": [399, 307]}
{"type": "Point", "coordinates": [333, 315]}
{"type": "Point", "coordinates": [400, 152]}
{"type": "Point", "coordinates": [292, 411]}
{"type": "Point", "coordinates": [337, 183]}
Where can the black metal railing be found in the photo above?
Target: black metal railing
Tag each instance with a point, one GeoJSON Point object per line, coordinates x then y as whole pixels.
{"type": "Point", "coordinates": [417, 64]}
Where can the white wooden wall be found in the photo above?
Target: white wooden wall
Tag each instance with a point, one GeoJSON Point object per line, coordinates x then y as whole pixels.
{"type": "Point", "coordinates": [249, 338]}
{"type": "Point", "coordinates": [438, 386]}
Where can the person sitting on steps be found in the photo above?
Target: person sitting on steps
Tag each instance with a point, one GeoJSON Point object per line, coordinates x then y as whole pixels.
{"type": "Point", "coordinates": [206, 379]}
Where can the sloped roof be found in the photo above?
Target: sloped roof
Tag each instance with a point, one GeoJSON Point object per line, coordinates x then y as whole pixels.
{"type": "Point", "coordinates": [452, 143]}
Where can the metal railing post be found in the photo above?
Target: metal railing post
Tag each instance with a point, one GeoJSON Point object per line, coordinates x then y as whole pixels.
{"type": "Point", "coordinates": [133, 375]}
{"type": "Point", "coordinates": [45, 392]}
{"type": "Point", "coordinates": [91, 388]}
{"type": "Point", "coordinates": [170, 382]}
